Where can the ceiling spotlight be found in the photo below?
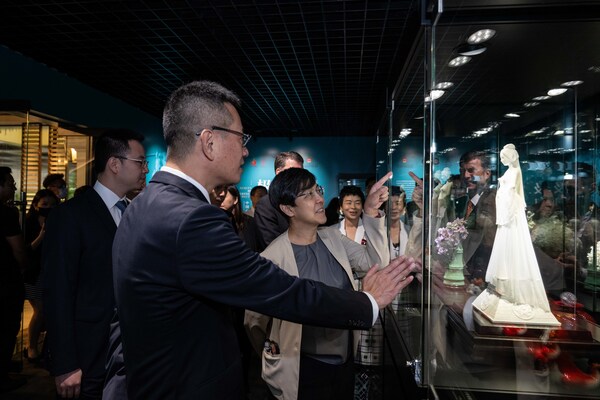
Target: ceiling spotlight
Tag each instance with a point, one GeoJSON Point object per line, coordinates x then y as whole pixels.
{"type": "Point", "coordinates": [458, 61]}
{"type": "Point", "coordinates": [531, 104]}
{"type": "Point", "coordinates": [444, 85]}
{"type": "Point", "coordinates": [467, 49]}
{"type": "Point", "coordinates": [556, 92]}
{"type": "Point", "coordinates": [434, 95]}
{"type": "Point", "coordinates": [512, 115]}
{"type": "Point", "coordinates": [571, 83]}
{"type": "Point", "coordinates": [481, 36]}
{"type": "Point", "coordinates": [541, 98]}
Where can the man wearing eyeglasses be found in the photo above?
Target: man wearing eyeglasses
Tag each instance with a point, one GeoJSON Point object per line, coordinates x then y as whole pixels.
{"type": "Point", "coordinates": [77, 265]}
{"type": "Point", "coordinates": [179, 266]}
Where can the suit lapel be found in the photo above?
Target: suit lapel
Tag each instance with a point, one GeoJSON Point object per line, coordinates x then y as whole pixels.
{"type": "Point", "coordinates": [98, 207]}
{"type": "Point", "coordinates": [325, 236]}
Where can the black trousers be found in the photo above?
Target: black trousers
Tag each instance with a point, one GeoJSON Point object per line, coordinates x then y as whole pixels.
{"type": "Point", "coordinates": [322, 381]}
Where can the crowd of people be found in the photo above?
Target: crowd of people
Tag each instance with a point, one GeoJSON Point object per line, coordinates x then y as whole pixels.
{"type": "Point", "coordinates": [164, 290]}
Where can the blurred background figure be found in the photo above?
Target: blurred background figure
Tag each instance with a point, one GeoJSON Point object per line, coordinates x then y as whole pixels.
{"type": "Point", "coordinates": [399, 228]}
{"type": "Point", "coordinates": [56, 183]}
{"type": "Point", "coordinates": [217, 195]}
{"type": "Point", "coordinates": [43, 201]}
{"type": "Point", "coordinates": [256, 193]}
{"type": "Point", "coordinates": [243, 224]}
{"type": "Point", "coordinates": [12, 292]}
{"type": "Point", "coordinates": [332, 212]}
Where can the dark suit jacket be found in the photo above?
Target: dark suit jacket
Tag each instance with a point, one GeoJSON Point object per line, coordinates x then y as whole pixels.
{"type": "Point", "coordinates": [78, 290]}
{"type": "Point", "coordinates": [178, 269]}
{"type": "Point", "coordinates": [270, 223]}
{"type": "Point", "coordinates": [481, 225]}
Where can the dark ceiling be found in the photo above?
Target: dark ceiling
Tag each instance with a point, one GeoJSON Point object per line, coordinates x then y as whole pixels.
{"type": "Point", "coordinates": [307, 68]}
{"type": "Point", "coordinates": [301, 67]}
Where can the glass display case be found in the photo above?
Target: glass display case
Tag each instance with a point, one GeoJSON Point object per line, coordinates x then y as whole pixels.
{"type": "Point", "coordinates": [495, 73]}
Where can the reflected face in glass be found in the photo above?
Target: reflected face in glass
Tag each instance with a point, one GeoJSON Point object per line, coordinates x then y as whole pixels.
{"type": "Point", "coordinates": [351, 207]}
{"type": "Point", "coordinates": [398, 204]}
{"type": "Point", "coordinates": [475, 176]}
{"type": "Point", "coordinates": [547, 204]}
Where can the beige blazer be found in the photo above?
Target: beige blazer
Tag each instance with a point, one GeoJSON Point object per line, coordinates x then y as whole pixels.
{"type": "Point", "coordinates": [281, 371]}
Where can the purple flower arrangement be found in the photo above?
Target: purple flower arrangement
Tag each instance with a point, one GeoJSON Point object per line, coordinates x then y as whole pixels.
{"type": "Point", "coordinates": [450, 237]}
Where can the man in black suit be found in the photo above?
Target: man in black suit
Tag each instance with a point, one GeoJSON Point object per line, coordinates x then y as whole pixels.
{"type": "Point", "coordinates": [77, 265]}
{"type": "Point", "coordinates": [179, 266]}
{"type": "Point", "coordinates": [270, 223]}
{"type": "Point", "coordinates": [478, 208]}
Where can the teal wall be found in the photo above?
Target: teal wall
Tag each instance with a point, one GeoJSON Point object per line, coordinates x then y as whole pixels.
{"type": "Point", "coordinates": [326, 157]}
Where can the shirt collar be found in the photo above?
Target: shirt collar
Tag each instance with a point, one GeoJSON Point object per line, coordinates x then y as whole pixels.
{"type": "Point", "coordinates": [108, 196]}
{"type": "Point", "coordinates": [188, 178]}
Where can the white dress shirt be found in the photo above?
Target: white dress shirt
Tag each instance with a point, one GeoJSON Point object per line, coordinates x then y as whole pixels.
{"type": "Point", "coordinates": [110, 199]}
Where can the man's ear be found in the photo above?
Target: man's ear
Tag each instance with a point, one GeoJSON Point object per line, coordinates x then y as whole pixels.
{"type": "Point", "coordinates": [287, 210]}
{"type": "Point", "coordinates": [206, 140]}
{"type": "Point", "coordinates": [488, 174]}
{"type": "Point", "coordinates": [114, 165]}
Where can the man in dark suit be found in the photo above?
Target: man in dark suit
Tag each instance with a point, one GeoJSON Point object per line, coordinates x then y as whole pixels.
{"type": "Point", "coordinates": [270, 223]}
{"type": "Point", "coordinates": [478, 208]}
{"type": "Point", "coordinates": [477, 205]}
{"type": "Point", "coordinates": [179, 266]}
{"type": "Point", "coordinates": [77, 265]}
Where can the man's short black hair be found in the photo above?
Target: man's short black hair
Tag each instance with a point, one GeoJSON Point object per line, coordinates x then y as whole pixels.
{"type": "Point", "coordinates": [473, 155]}
{"type": "Point", "coordinates": [113, 143]}
{"type": "Point", "coordinates": [256, 189]}
{"type": "Point", "coordinates": [282, 157]}
{"type": "Point", "coordinates": [286, 186]}
{"type": "Point", "coordinates": [351, 190]}
{"type": "Point", "coordinates": [191, 108]}
{"type": "Point", "coordinates": [4, 173]}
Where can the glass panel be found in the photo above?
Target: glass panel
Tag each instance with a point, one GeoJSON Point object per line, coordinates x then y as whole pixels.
{"type": "Point", "coordinates": [487, 330]}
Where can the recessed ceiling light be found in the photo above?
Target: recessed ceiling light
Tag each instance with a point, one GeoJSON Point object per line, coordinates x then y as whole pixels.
{"type": "Point", "coordinates": [467, 49]}
{"type": "Point", "coordinates": [531, 104]}
{"type": "Point", "coordinates": [556, 92]}
{"type": "Point", "coordinates": [444, 85]}
{"type": "Point", "coordinates": [434, 95]}
{"type": "Point", "coordinates": [571, 83]}
{"type": "Point", "coordinates": [541, 98]}
{"type": "Point", "coordinates": [481, 36]}
{"type": "Point", "coordinates": [458, 61]}
{"type": "Point", "coordinates": [512, 115]}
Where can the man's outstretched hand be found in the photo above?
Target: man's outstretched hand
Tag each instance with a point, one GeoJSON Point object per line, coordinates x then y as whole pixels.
{"type": "Point", "coordinates": [385, 284]}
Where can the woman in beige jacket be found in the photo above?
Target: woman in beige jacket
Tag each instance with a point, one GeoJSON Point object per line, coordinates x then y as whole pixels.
{"type": "Point", "coordinates": [305, 362]}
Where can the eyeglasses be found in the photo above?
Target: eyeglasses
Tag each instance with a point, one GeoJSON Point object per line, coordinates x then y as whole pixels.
{"type": "Point", "coordinates": [312, 193]}
{"type": "Point", "coordinates": [245, 137]}
{"type": "Point", "coordinates": [143, 163]}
